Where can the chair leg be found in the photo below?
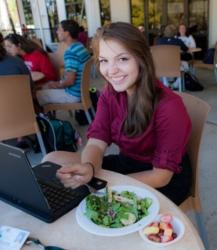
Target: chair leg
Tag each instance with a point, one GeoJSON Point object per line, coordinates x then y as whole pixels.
{"type": "Point", "coordinates": [165, 81]}
{"type": "Point", "coordinates": [201, 229]}
{"type": "Point", "coordinates": [183, 80]}
{"type": "Point", "coordinates": [215, 72]}
{"type": "Point", "coordinates": [93, 111]}
{"type": "Point", "coordinates": [41, 143]}
{"type": "Point", "coordinates": [89, 119]}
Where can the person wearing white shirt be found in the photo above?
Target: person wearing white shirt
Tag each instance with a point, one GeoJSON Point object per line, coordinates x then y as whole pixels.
{"type": "Point", "coordinates": [185, 37]}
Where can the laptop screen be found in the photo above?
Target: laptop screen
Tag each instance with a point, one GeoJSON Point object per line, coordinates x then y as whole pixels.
{"type": "Point", "coordinates": [17, 181]}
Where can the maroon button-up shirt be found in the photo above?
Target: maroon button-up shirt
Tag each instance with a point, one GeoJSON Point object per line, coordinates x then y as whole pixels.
{"type": "Point", "coordinates": [163, 142]}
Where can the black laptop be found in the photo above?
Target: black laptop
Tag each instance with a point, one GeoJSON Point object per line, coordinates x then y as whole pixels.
{"type": "Point", "coordinates": [35, 190]}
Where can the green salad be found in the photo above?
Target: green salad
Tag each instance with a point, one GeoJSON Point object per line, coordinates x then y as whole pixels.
{"type": "Point", "coordinates": [115, 210]}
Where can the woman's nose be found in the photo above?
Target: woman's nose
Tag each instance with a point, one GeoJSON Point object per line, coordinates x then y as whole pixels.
{"type": "Point", "coordinates": [113, 68]}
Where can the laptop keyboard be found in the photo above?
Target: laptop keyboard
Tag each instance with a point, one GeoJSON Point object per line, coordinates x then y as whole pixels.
{"type": "Point", "coordinates": [58, 197]}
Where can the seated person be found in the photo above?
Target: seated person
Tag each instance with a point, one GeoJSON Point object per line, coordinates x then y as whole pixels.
{"type": "Point", "coordinates": [67, 89]}
{"type": "Point", "coordinates": [82, 36]}
{"type": "Point", "coordinates": [136, 112]}
{"type": "Point", "coordinates": [170, 38]}
{"type": "Point", "coordinates": [34, 57]}
{"type": "Point", "coordinates": [10, 65]}
{"type": "Point", "coordinates": [187, 39]}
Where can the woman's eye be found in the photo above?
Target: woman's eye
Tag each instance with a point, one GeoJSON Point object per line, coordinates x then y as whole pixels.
{"type": "Point", "coordinates": [102, 61]}
{"type": "Point", "coordinates": [123, 59]}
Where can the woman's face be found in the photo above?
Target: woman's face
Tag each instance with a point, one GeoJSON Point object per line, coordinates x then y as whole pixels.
{"type": "Point", "coordinates": [182, 30]}
{"type": "Point", "coordinates": [11, 48]}
{"type": "Point", "coordinates": [118, 66]}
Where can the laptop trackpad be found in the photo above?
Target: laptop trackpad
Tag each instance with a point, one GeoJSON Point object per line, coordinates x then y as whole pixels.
{"type": "Point", "coordinates": [46, 172]}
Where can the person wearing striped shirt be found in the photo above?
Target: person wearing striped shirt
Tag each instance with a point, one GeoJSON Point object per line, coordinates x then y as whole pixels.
{"type": "Point", "coordinates": [68, 88]}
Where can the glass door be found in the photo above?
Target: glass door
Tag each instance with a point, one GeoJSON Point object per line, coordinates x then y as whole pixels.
{"type": "Point", "coordinates": [175, 12]}
{"type": "Point", "coordinates": [52, 17]}
{"type": "Point", "coordinates": [75, 10]}
{"type": "Point", "coordinates": [155, 19]}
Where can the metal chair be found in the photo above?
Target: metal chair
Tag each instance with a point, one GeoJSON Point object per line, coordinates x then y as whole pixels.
{"type": "Point", "coordinates": [85, 103]}
{"type": "Point", "coordinates": [198, 111]}
{"type": "Point", "coordinates": [167, 63]}
{"type": "Point", "coordinates": [16, 109]}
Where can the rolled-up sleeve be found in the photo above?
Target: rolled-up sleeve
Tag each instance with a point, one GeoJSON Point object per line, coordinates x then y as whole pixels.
{"type": "Point", "coordinates": [172, 131]}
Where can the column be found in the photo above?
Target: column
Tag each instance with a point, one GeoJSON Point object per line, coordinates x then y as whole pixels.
{"type": "Point", "coordinates": [93, 16]}
{"type": "Point", "coordinates": [120, 10]}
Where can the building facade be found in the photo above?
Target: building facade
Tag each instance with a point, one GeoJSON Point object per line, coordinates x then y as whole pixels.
{"type": "Point", "coordinates": [41, 17]}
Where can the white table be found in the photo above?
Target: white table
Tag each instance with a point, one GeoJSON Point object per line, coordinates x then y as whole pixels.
{"type": "Point", "coordinates": [66, 233]}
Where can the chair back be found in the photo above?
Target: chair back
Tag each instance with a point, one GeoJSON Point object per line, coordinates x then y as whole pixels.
{"type": "Point", "coordinates": [198, 111]}
{"type": "Point", "coordinates": [166, 60]}
{"type": "Point", "coordinates": [16, 107]}
{"type": "Point", "coordinates": [85, 85]}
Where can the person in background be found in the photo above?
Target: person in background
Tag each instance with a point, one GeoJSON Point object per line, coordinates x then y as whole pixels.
{"type": "Point", "coordinates": [136, 112]}
{"type": "Point", "coordinates": [75, 56]}
{"type": "Point", "coordinates": [184, 35]}
{"type": "Point", "coordinates": [82, 36]}
{"type": "Point", "coordinates": [170, 38]}
{"type": "Point", "coordinates": [25, 30]}
{"type": "Point", "coordinates": [141, 29]}
{"type": "Point", "coordinates": [10, 65]}
{"type": "Point", "coordinates": [34, 57]}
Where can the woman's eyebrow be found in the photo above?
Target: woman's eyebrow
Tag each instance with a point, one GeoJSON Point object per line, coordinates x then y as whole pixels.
{"type": "Point", "coordinates": [121, 54]}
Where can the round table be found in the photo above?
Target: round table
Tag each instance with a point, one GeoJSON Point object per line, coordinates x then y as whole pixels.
{"type": "Point", "coordinates": [194, 50]}
{"type": "Point", "coordinates": [66, 233]}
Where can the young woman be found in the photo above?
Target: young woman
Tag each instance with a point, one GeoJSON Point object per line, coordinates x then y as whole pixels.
{"type": "Point", "coordinates": [34, 57]}
{"type": "Point", "coordinates": [146, 120]}
{"type": "Point", "coordinates": [186, 37]}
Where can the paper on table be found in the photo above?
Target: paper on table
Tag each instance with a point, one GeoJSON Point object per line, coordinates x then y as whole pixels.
{"type": "Point", "coordinates": [12, 238]}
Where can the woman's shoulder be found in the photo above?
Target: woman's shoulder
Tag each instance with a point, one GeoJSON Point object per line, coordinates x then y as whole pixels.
{"type": "Point", "coordinates": [13, 60]}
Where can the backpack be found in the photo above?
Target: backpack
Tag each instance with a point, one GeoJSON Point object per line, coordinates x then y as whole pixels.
{"type": "Point", "coordinates": [191, 82]}
{"type": "Point", "coordinates": [80, 116]}
{"type": "Point", "coordinates": [58, 134]}
{"type": "Point", "coordinates": [209, 56]}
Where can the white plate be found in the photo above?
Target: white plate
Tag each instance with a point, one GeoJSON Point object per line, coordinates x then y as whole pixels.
{"type": "Point", "coordinates": [178, 227]}
{"type": "Point", "coordinates": [93, 228]}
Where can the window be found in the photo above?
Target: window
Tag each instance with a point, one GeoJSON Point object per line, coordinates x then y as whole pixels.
{"type": "Point", "coordinates": [104, 11]}
{"type": "Point", "coordinates": [75, 9]}
{"type": "Point", "coordinates": [52, 17]}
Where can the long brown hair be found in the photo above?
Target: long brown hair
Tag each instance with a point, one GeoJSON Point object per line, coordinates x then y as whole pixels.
{"type": "Point", "coordinates": [25, 44]}
{"type": "Point", "coordinates": [145, 98]}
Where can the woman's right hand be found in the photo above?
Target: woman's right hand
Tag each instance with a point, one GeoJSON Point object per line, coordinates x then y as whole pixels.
{"type": "Point", "coordinates": [75, 175]}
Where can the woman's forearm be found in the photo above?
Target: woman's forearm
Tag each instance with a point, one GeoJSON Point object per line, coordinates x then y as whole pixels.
{"type": "Point", "coordinates": [93, 153]}
{"type": "Point", "coordinates": [155, 178]}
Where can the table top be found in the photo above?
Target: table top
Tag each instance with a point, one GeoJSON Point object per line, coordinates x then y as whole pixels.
{"type": "Point", "coordinates": [36, 76]}
{"type": "Point", "coordinates": [193, 50]}
{"type": "Point", "coordinates": [66, 233]}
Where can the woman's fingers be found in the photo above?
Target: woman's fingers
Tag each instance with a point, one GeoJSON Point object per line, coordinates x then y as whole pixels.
{"type": "Point", "coordinates": [74, 175]}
